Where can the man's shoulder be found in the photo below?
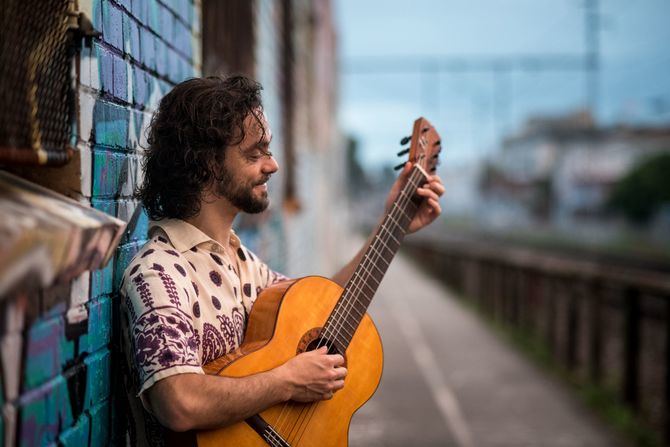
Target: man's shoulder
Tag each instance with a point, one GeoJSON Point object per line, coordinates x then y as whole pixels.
{"type": "Point", "coordinates": [155, 252]}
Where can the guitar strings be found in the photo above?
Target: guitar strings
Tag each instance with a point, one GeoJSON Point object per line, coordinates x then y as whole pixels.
{"type": "Point", "coordinates": [357, 283]}
{"type": "Point", "coordinates": [358, 287]}
{"type": "Point", "coordinates": [404, 201]}
{"type": "Point", "coordinates": [395, 207]}
{"type": "Point", "coordinates": [373, 257]}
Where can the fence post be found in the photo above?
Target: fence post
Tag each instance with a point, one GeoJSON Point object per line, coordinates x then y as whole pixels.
{"type": "Point", "coordinates": [550, 292]}
{"type": "Point", "coordinates": [573, 325]}
{"type": "Point", "coordinates": [596, 332]}
{"type": "Point", "coordinates": [631, 346]}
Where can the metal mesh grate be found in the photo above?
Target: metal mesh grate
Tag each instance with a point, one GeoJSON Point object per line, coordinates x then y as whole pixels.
{"type": "Point", "coordinates": [35, 91]}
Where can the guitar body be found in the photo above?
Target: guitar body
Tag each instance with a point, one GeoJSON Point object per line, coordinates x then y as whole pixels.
{"type": "Point", "coordinates": [284, 320]}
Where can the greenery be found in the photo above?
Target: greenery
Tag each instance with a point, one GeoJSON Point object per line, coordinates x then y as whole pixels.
{"type": "Point", "coordinates": [644, 190]}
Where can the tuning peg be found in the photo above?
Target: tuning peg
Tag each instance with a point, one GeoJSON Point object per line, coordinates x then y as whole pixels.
{"type": "Point", "coordinates": [405, 140]}
{"type": "Point", "coordinates": [437, 143]}
{"type": "Point", "coordinates": [403, 152]}
{"type": "Point", "coordinates": [433, 170]}
{"type": "Point", "coordinates": [400, 166]}
{"type": "Point", "coordinates": [425, 129]}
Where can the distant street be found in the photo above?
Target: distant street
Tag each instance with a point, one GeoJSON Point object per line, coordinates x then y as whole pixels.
{"type": "Point", "coordinates": [448, 381]}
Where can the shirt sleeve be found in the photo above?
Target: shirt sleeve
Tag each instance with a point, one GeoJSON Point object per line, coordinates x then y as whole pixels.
{"type": "Point", "coordinates": [161, 339]}
{"type": "Point", "coordinates": [266, 275]}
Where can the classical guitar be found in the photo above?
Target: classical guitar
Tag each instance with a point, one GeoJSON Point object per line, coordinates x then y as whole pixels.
{"type": "Point", "coordinates": [304, 314]}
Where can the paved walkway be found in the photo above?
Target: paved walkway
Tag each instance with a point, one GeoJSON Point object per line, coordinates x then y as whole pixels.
{"type": "Point", "coordinates": [448, 381]}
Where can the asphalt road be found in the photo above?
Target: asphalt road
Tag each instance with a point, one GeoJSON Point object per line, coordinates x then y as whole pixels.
{"type": "Point", "coordinates": [448, 381]}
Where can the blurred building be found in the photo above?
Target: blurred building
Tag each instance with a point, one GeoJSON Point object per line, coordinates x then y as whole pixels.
{"type": "Point", "coordinates": [562, 170]}
{"type": "Point", "coordinates": [100, 68]}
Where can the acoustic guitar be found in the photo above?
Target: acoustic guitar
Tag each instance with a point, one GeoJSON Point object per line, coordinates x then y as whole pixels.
{"type": "Point", "coordinates": [304, 314]}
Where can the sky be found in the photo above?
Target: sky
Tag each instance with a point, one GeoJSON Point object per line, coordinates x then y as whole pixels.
{"type": "Point", "coordinates": [473, 111]}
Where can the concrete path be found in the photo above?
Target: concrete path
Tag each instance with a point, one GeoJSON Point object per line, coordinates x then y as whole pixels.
{"type": "Point", "coordinates": [448, 381]}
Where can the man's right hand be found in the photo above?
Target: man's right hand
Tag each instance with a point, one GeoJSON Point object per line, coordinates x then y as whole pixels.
{"type": "Point", "coordinates": [313, 375]}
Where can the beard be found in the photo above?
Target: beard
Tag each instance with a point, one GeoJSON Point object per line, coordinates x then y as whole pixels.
{"type": "Point", "coordinates": [241, 194]}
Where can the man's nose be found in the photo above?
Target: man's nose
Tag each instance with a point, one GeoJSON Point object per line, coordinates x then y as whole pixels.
{"type": "Point", "coordinates": [270, 166]}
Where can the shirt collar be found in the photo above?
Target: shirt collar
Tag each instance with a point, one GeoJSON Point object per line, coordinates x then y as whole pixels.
{"type": "Point", "coordinates": [184, 236]}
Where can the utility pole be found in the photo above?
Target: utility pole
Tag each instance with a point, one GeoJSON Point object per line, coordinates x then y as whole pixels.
{"type": "Point", "coordinates": [592, 55]}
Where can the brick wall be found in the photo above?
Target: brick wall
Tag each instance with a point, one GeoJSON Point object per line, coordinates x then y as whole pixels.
{"type": "Point", "coordinates": [58, 346]}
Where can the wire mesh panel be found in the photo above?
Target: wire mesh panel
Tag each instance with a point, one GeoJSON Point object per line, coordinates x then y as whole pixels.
{"type": "Point", "coordinates": [35, 92]}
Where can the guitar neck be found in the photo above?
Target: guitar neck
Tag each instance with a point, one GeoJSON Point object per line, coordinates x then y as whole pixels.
{"type": "Point", "coordinates": [364, 282]}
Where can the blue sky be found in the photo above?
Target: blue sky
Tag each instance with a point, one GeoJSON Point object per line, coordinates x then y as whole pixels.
{"type": "Point", "coordinates": [379, 109]}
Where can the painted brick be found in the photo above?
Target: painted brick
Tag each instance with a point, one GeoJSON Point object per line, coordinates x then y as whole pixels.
{"type": "Point", "coordinates": [131, 37]}
{"type": "Point", "coordinates": [123, 257]}
{"type": "Point", "coordinates": [112, 25]}
{"type": "Point", "coordinates": [96, 20]}
{"type": "Point", "coordinates": [137, 10]}
{"type": "Point", "coordinates": [173, 66]}
{"type": "Point", "coordinates": [154, 92]}
{"type": "Point", "coordinates": [102, 280]}
{"type": "Point", "coordinates": [111, 125]}
{"type": "Point", "coordinates": [99, 323]}
{"type": "Point", "coordinates": [161, 57]}
{"type": "Point", "coordinates": [107, 167]}
{"type": "Point", "coordinates": [47, 352]}
{"type": "Point", "coordinates": [105, 205]}
{"type": "Point", "coordinates": [42, 411]}
{"type": "Point", "coordinates": [125, 4]}
{"type": "Point", "coordinates": [105, 65]}
{"type": "Point", "coordinates": [137, 230]}
{"type": "Point", "coordinates": [131, 176]}
{"type": "Point", "coordinates": [153, 19]}
{"type": "Point", "coordinates": [94, 68]}
{"type": "Point", "coordinates": [182, 9]}
{"type": "Point", "coordinates": [139, 87]}
{"type": "Point", "coordinates": [167, 20]}
{"type": "Point", "coordinates": [77, 435]}
{"type": "Point", "coordinates": [148, 48]}
{"type": "Point", "coordinates": [178, 35]}
{"type": "Point", "coordinates": [144, 121]}
{"type": "Point", "coordinates": [120, 78]}
{"type": "Point", "coordinates": [100, 423]}
{"type": "Point", "coordinates": [85, 58]}
{"type": "Point", "coordinates": [86, 106]}
{"type": "Point", "coordinates": [135, 125]}
{"type": "Point", "coordinates": [98, 368]}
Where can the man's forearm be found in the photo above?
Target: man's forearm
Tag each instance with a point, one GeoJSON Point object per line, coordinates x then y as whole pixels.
{"type": "Point", "coordinates": [196, 401]}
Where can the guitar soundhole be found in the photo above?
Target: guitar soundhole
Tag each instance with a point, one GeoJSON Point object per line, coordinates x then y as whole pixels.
{"type": "Point", "coordinates": [320, 342]}
{"type": "Point", "coordinates": [312, 340]}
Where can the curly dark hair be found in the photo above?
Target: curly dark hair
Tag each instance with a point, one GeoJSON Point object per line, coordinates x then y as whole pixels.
{"type": "Point", "coordinates": [187, 138]}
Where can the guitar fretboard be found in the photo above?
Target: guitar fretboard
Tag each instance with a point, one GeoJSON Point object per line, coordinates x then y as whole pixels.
{"type": "Point", "coordinates": [359, 291]}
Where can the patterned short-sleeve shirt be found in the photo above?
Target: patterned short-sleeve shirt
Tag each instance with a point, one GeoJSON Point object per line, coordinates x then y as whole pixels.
{"type": "Point", "coordinates": [185, 301]}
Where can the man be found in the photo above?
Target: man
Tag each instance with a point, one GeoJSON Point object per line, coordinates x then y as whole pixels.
{"type": "Point", "coordinates": [188, 291]}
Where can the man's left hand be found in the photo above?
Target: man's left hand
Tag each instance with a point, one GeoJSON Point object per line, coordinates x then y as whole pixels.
{"type": "Point", "coordinates": [431, 191]}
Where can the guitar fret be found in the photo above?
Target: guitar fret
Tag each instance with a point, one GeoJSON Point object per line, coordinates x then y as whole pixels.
{"type": "Point", "coordinates": [384, 243]}
{"type": "Point", "coordinates": [409, 219]}
{"type": "Point", "coordinates": [351, 308]}
{"type": "Point", "coordinates": [390, 234]}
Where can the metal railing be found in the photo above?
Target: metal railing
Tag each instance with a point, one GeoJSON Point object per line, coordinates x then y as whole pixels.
{"type": "Point", "coordinates": [606, 324]}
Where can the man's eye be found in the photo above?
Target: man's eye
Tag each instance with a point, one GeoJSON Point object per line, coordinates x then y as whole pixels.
{"type": "Point", "coordinates": [258, 154]}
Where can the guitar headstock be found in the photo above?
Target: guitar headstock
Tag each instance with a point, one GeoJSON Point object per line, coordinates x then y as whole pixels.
{"type": "Point", "coordinates": [425, 146]}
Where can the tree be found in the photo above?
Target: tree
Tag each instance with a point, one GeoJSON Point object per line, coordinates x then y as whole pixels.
{"type": "Point", "coordinates": [642, 192]}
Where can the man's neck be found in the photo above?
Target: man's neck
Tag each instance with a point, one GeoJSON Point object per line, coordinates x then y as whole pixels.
{"type": "Point", "coordinates": [215, 219]}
